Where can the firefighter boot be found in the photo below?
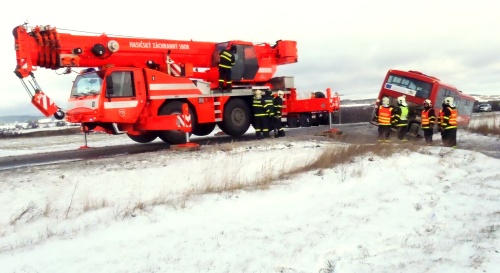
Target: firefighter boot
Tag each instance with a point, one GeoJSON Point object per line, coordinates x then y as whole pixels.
{"type": "Point", "coordinates": [259, 135]}
{"type": "Point", "coordinates": [281, 133]}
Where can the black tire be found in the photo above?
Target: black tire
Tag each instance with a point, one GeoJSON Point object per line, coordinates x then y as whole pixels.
{"type": "Point", "coordinates": [144, 138]}
{"type": "Point", "coordinates": [174, 136]}
{"type": "Point", "coordinates": [323, 118]}
{"type": "Point", "coordinates": [237, 117]}
{"type": "Point", "coordinates": [203, 129]}
{"type": "Point", "coordinates": [319, 95]}
{"type": "Point", "coordinates": [292, 121]}
{"type": "Point", "coordinates": [305, 120]}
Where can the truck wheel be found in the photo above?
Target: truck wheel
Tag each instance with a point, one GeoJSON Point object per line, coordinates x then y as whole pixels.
{"type": "Point", "coordinates": [146, 137]}
{"type": "Point", "coordinates": [237, 117]}
{"type": "Point", "coordinates": [292, 121]}
{"type": "Point", "coordinates": [305, 120]}
{"type": "Point", "coordinates": [203, 129]}
{"type": "Point", "coordinates": [174, 136]}
{"type": "Point", "coordinates": [323, 118]}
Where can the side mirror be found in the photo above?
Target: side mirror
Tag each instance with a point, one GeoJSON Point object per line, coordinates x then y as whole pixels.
{"type": "Point", "coordinates": [109, 86]}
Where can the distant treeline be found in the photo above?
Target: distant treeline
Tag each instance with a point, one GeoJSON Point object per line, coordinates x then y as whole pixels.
{"type": "Point", "coordinates": [20, 118]}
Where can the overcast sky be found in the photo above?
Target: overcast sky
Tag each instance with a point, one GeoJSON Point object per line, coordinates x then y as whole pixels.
{"type": "Point", "coordinates": [347, 46]}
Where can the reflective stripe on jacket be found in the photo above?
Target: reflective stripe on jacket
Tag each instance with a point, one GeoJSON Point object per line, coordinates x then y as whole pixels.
{"type": "Point", "coordinates": [258, 107]}
{"type": "Point", "coordinates": [278, 106]}
{"type": "Point", "coordinates": [440, 118]}
{"type": "Point", "coordinates": [384, 115]}
{"type": "Point", "coordinates": [401, 116]}
{"type": "Point", "coordinates": [450, 118]}
{"type": "Point", "coordinates": [428, 118]}
{"type": "Point", "coordinates": [268, 106]}
{"type": "Point", "coordinates": [226, 59]}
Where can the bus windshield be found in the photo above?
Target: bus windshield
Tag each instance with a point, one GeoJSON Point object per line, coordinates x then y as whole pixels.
{"type": "Point", "coordinates": [409, 86]}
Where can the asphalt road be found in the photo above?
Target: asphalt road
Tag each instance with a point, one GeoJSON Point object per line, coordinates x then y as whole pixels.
{"type": "Point", "coordinates": [355, 133]}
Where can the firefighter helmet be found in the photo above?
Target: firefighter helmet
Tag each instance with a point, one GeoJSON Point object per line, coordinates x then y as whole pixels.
{"type": "Point", "coordinates": [402, 101]}
{"type": "Point", "coordinates": [258, 93]}
{"type": "Point", "coordinates": [428, 101]}
{"type": "Point", "coordinates": [385, 101]}
{"type": "Point", "coordinates": [449, 101]}
{"type": "Point", "coordinates": [281, 93]}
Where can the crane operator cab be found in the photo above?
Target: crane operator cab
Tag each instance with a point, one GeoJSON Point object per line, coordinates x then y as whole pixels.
{"type": "Point", "coordinates": [246, 63]}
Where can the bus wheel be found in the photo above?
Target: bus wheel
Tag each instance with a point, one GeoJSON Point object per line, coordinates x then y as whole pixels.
{"type": "Point", "coordinates": [174, 136]}
{"type": "Point", "coordinates": [414, 129]}
{"type": "Point", "coordinates": [237, 117]}
{"type": "Point", "coordinates": [146, 137]}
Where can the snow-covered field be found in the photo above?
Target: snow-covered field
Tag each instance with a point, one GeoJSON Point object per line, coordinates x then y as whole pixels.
{"type": "Point", "coordinates": [431, 210]}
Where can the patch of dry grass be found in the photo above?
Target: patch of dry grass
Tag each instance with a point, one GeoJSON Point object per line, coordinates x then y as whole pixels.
{"type": "Point", "coordinates": [489, 127]}
{"type": "Point", "coordinates": [90, 204]}
{"type": "Point", "coordinates": [334, 156]}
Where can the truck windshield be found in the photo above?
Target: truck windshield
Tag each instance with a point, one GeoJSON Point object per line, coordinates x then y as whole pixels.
{"type": "Point", "coordinates": [87, 84]}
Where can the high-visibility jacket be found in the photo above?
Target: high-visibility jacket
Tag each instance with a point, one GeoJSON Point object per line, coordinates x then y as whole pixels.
{"type": "Point", "coordinates": [428, 118]}
{"type": "Point", "coordinates": [226, 59]}
{"type": "Point", "coordinates": [450, 118]}
{"type": "Point", "coordinates": [401, 116]}
{"type": "Point", "coordinates": [440, 118]}
{"type": "Point", "coordinates": [384, 115]}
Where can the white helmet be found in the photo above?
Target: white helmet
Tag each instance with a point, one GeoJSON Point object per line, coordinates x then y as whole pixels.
{"type": "Point", "coordinates": [258, 93]}
{"type": "Point", "coordinates": [402, 100]}
{"type": "Point", "coordinates": [449, 101]}
{"type": "Point", "coordinates": [385, 101]}
{"type": "Point", "coordinates": [428, 101]}
{"type": "Point", "coordinates": [281, 93]}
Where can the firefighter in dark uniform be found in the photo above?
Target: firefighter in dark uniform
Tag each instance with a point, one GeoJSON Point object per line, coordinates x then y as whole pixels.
{"type": "Point", "coordinates": [259, 114]}
{"type": "Point", "coordinates": [400, 118]}
{"type": "Point", "coordinates": [383, 116]}
{"type": "Point", "coordinates": [449, 123]}
{"type": "Point", "coordinates": [428, 118]}
{"type": "Point", "coordinates": [269, 108]}
{"type": "Point", "coordinates": [278, 107]}
{"type": "Point", "coordinates": [226, 62]}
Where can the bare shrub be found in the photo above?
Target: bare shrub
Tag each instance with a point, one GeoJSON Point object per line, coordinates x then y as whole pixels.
{"type": "Point", "coordinates": [28, 213]}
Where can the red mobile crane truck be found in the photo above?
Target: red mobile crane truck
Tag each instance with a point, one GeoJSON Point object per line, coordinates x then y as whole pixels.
{"type": "Point", "coordinates": [141, 86]}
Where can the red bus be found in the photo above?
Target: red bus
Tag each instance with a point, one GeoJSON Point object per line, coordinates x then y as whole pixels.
{"type": "Point", "coordinates": [417, 87]}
